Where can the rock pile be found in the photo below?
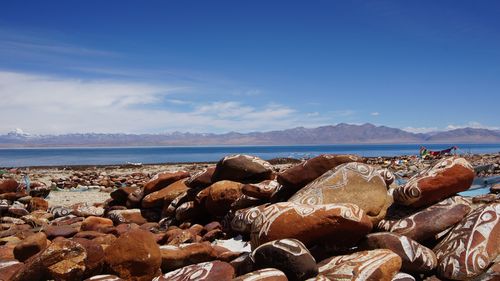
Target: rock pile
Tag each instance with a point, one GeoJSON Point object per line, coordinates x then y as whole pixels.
{"type": "Point", "coordinates": [100, 179]}
{"type": "Point", "coordinates": [333, 217]}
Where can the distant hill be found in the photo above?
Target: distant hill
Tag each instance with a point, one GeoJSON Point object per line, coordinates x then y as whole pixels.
{"type": "Point", "coordinates": [334, 134]}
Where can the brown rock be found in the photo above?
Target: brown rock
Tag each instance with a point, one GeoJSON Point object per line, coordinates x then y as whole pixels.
{"type": "Point", "coordinates": [415, 258]}
{"type": "Point", "coordinates": [201, 179]}
{"type": "Point", "coordinates": [472, 244]}
{"type": "Point", "coordinates": [165, 195]}
{"type": "Point", "coordinates": [401, 276]}
{"type": "Point", "coordinates": [447, 177]}
{"type": "Point", "coordinates": [86, 210]}
{"type": "Point", "coordinates": [126, 216]}
{"type": "Point", "coordinates": [495, 188]}
{"type": "Point", "coordinates": [8, 268]}
{"type": "Point", "coordinates": [95, 256]}
{"type": "Point", "coordinates": [221, 195]}
{"type": "Point", "coordinates": [425, 224]}
{"type": "Point", "coordinates": [355, 183]}
{"type": "Point", "coordinates": [242, 168]}
{"type": "Point", "coordinates": [266, 274]}
{"type": "Point", "coordinates": [134, 256]}
{"type": "Point", "coordinates": [243, 219]}
{"type": "Point", "coordinates": [300, 175]}
{"type": "Point", "coordinates": [53, 231]}
{"type": "Point", "coordinates": [206, 271]}
{"type": "Point", "coordinates": [134, 198]}
{"type": "Point", "coordinates": [262, 190]}
{"type": "Point", "coordinates": [8, 185]}
{"type": "Point", "coordinates": [162, 180]}
{"type": "Point", "coordinates": [37, 203]}
{"type": "Point", "coordinates": [30, 246]}
{"type": "Point", "coordinates": [338, 224]}
{"type": "Point", "coordinates": [104, 277]}
{"type": "Point", "coordinates": [174, 257]}
{"type": "Point", "coordinates": [379, 264]}
{"type": "Point", "coordinates": [120, 195]}
{"type": "Point", "coordinates": [96, 224]}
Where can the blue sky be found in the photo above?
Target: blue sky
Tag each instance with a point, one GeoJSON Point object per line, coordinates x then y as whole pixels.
{"type": "Point", "coordinates": [218, 66]}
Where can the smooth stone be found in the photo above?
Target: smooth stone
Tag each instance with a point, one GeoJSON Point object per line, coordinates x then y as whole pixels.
{"type": "Point", "coordinates": [242, 168]}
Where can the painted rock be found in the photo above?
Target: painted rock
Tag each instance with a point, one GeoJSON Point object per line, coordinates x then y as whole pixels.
{"type": "Point", "coordinates": [188, 211]}
{"type": "Point", "coordinates": [221, 195]}
{"type": "Point", "coordinates": [339, 224]}
{"type": "Point", "coordinates": [206, 271]}
{"type": "Point", "coordinates": [242, 168]}
{"type": "Point", "coordinates": [401, 276]}
{"type": "Point", "coordinates": [266, 274]}
{"type": "Point", "coordinates": [95, 224]}
{"type": "Point", "coordinates": [30, 246]}
{"type": "Point", "coordinates": [425, 224]}
{"type": "Point", "coordinates": [263, 190]}
{"type": "Point", "coordinates": [126, 216]}
{"type": "Point", "coordinates": [300, 175]}
{"type": "Point", "coordinates": [415, 258]}
{"type": "Point", "coordinates": [134, 198]}
{"type": "Point", "coordinates": [446, 178]}
{"type": "Point", "coordinates": [174, 257]}
{"type": "Point", "coordinates": [245, 201]}
{"type": "Point", "coordinates": [378, 264]}
{"type": "Point", "coordinates": [471, 245]}
{"type": "Point", "coordinates": [287, 255]}
{"type": "Point", "coordinates": [86, 210]}
{"type": "Point", "coordinates": [243, 219]}
{"type": "Point", "coordinates": [355, 183]}
{"type": "Point", "coordinates": [59, 211]}
{"type": "Point", "coordinates": [134, 256]}
{"type": "Point", "coordinates": [162, 180]}
{"type": "Point", "coordinates": [104, 277]}
{"type": "Point", "coordinates": [201, 179]}
{"type": "Point", "coordinates": [387, 175]}
{"type": "Point", "coordinates": [164, 195]}
{"type": "Point", "coordinates": [63, 259]}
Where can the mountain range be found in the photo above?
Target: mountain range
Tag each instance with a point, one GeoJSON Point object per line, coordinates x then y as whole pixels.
{"type": "Point", "coordinates": [333, 134]}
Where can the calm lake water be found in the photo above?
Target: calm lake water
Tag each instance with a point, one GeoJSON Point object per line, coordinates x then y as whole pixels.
{"type": "Point", "coordinates": [20, 157]}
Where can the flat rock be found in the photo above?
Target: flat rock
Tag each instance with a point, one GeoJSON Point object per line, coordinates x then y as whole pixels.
{"type": "Point", "coordinates": [174, 257]}
{"type": "Point", "coordinates": [471, 246]}
{"type": "Point", "coordinates": [288, 255]}
{"type": "Point", "coordinates": [164, 195]}
{"type": "Point", "coordinates": [162, 180]}
{"type": "Point", "coordinates": [446, 178]}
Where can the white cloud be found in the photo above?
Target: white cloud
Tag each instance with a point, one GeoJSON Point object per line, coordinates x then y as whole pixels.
{"type": "Point", "coordinates": [422, 130]}
{"type": "Point", "coordinates": [375, 114]}
{"type": "Point", "coordinates": [471, 124]}
{"type": "Point", "coordinates": [53, 105]}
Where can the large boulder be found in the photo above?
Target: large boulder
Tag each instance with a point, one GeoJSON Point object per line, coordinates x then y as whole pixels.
{"type": "Point", "coordinates": [415, 257]}
{"type": "Point", "coordinates": [164, 195]}
{"type": "Point", "coordinates": [262, 190]}
{"type": "Point", "coordinates": [201, 179]}
{"type": "Point", "coordinates": [471, 246]}
{"type": "Point", "coordinates": [355, 183]}
{"type": "Point", "coordinates": [287, 255]}
{"type": "Point", "coordinates": [425, 224]}
{"type": "Point", "coordinates": [30, 246]}
{"type": "Point", "coordinates": [242, 168]}
{"type": "Point", "coordinates": [300, 175]}
{"type": "Point", "coordinates": [174, 257]}
{"type": "Point", "coordinates": [337, 224]}
{"type": "Point", "coordinates": [221, 195]}
{"type": "Point", "coordinates": [381, 264]}
{"type": "Point", "coordinates": [134, 256]}
{"type": "Point", "coordinates": [162, 180]}
{"type": "Point", "coordinates": [241, 221]}
{"type": "Point", "coordinates": [446, 178]}
{"type": "Point", "coordinates": [206, 271]}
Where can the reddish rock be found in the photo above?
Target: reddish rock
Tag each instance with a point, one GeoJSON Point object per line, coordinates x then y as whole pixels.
{"type": "Point", "coordinates": [201, 179]}
{"type": "Point", "coordinates": [104, 277]}
{"type": "Point", "coordinates": [379, 264]}
{"type": "Point", "coordinates": [8, 268]}
{"type": "Point", "coordinates": [162, 180]}
{"type": "Point", "coordinates": [415, 258]}
{"type": "Point", "coordinates": [188, 211]}
{"type": "Point", "coordinates": [446, 178]}
{"type": "Point", "coordinates": [206, 271]}
{"type": "Point", "coordinates": [355, 183]}
{"type": "Point", "coordinates": [8, 185]}
{"type": "Point", "coordinates": [53, 231]}
{"type": "Point", "coordinates": [387, 175]}
{"type": "Point", "coordinates": [242, 168]}
{"type": "Point", "coordinates": [96, 224]}
{"type": "Point", "coordinates": [30, 246]}
{"type": "Point", "coordinates": [243, 219]}
{"type": "Point", "coordinates": [86, 210]}
{"type": "Point", "coordinates": [300, 175]}
{"type": "Point", "coordinates": [134, 199]}
{"type": "Point", "coordinates": [37, 203]}
{"type": "Point", "coordinates": [126, 216]}
{"type": "Point", "coordinates": [165, 195]}
{"type": "Point", "coordinates": [120, 195]}
{"type": "Point", "coordinates": [401, 276]}
{"type": "Point", "coordinates": [134, 256]}
{"type": "Point", "coordinates": [7, 252]}
{"type": "Point", "coordinates": [262, 190]}
{"type": "Point", "coordinates": [266, 274]}
{"type": "Point", "coordinates": [95, 256]}
{"type": "Point", "coordinates": [221, 195]}
{"type": "Point", "coordinates": [288, 255]}
{"type": "Point", "coordinates": [174, 257]}
{"type": "Point", "coordinates": [337, 224]}
{"type": "Point", "coordinates": [425, 224]}
{"type": "Point", "coordinates": [471, 246]}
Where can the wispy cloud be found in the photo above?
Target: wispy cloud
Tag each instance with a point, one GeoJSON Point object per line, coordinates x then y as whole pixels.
{"type": "Point", "coordinates": [471, 124]}
{"type": "Point", "coordinates": [375, 113]}
{"type": "Point", "coordinates": [51, 104]}
{"type": "Point", "coordinates": [420, 130]}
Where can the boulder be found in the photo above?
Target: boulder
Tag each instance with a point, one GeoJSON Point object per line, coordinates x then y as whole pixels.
{"type": "Point", "coordinates": [95, 256]}
{"type": "Point", "coordinates": [8, 268]}
{"type": "Point", "coordinates": [134, 256]}
{"type": "Point", "coordinates": [53, 231]}
{"type": "Point", "coordinates": [165, 195]}
{"type": "Point", "coordinates": [425, 224]}
{"type": "Point", "coordinates": [378, 264]}
{"type": "Point", "coordinates": [353, 182]}
{"type": "Point", "coordinates": [243, 219]}
{"type": "Point", "coordinates": [30, 246]}
{"type": "Point", "coordinates": [37, 203]}
{"type": "Point", "coordinates": [95, 224]}
{"type": "Point", "coordinates": [162, 180]}
{"type": "Point", "coordinates": [126, 216]}
{"type": "Point", "coordinates": [174, 257]}
{"type": "Point", "coordinates": [120, 195]}
{"type": "Point", "coordinates": [206, 271]}
{"type": "Point", "coordinates": [220, 196]}
{"type": "Point", "coordinates": [242, 168]}
{"type": "Point", "coordinates": [262, 190]}
{"type": "Point", "coordinates": [415, 257]}
{"type": "Point", "coordinates": [471, 246]}
{"type": "Point", "coordinates": [446, 178]}
{"type": "Point", "coordinates": [337, 224]}
{"type": "Point", "coordinates": [8, 186]}
{"type": "Point", "coordinates": [86, 210]}
{"type": "Point", "coordinates": [401, 276]}
{"type": "Point", "coordinates": [288, 255]}
{"type": "Point", "coordinates": [266, 274]}
{"type": "Point", "coordinates": [201, 179]}
{"type": "Point", "coordinates": [300, 175]}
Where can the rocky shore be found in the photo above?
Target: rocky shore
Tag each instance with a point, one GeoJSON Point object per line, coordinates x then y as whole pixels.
{"type": "Point", "coordinates": [332, 217]}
